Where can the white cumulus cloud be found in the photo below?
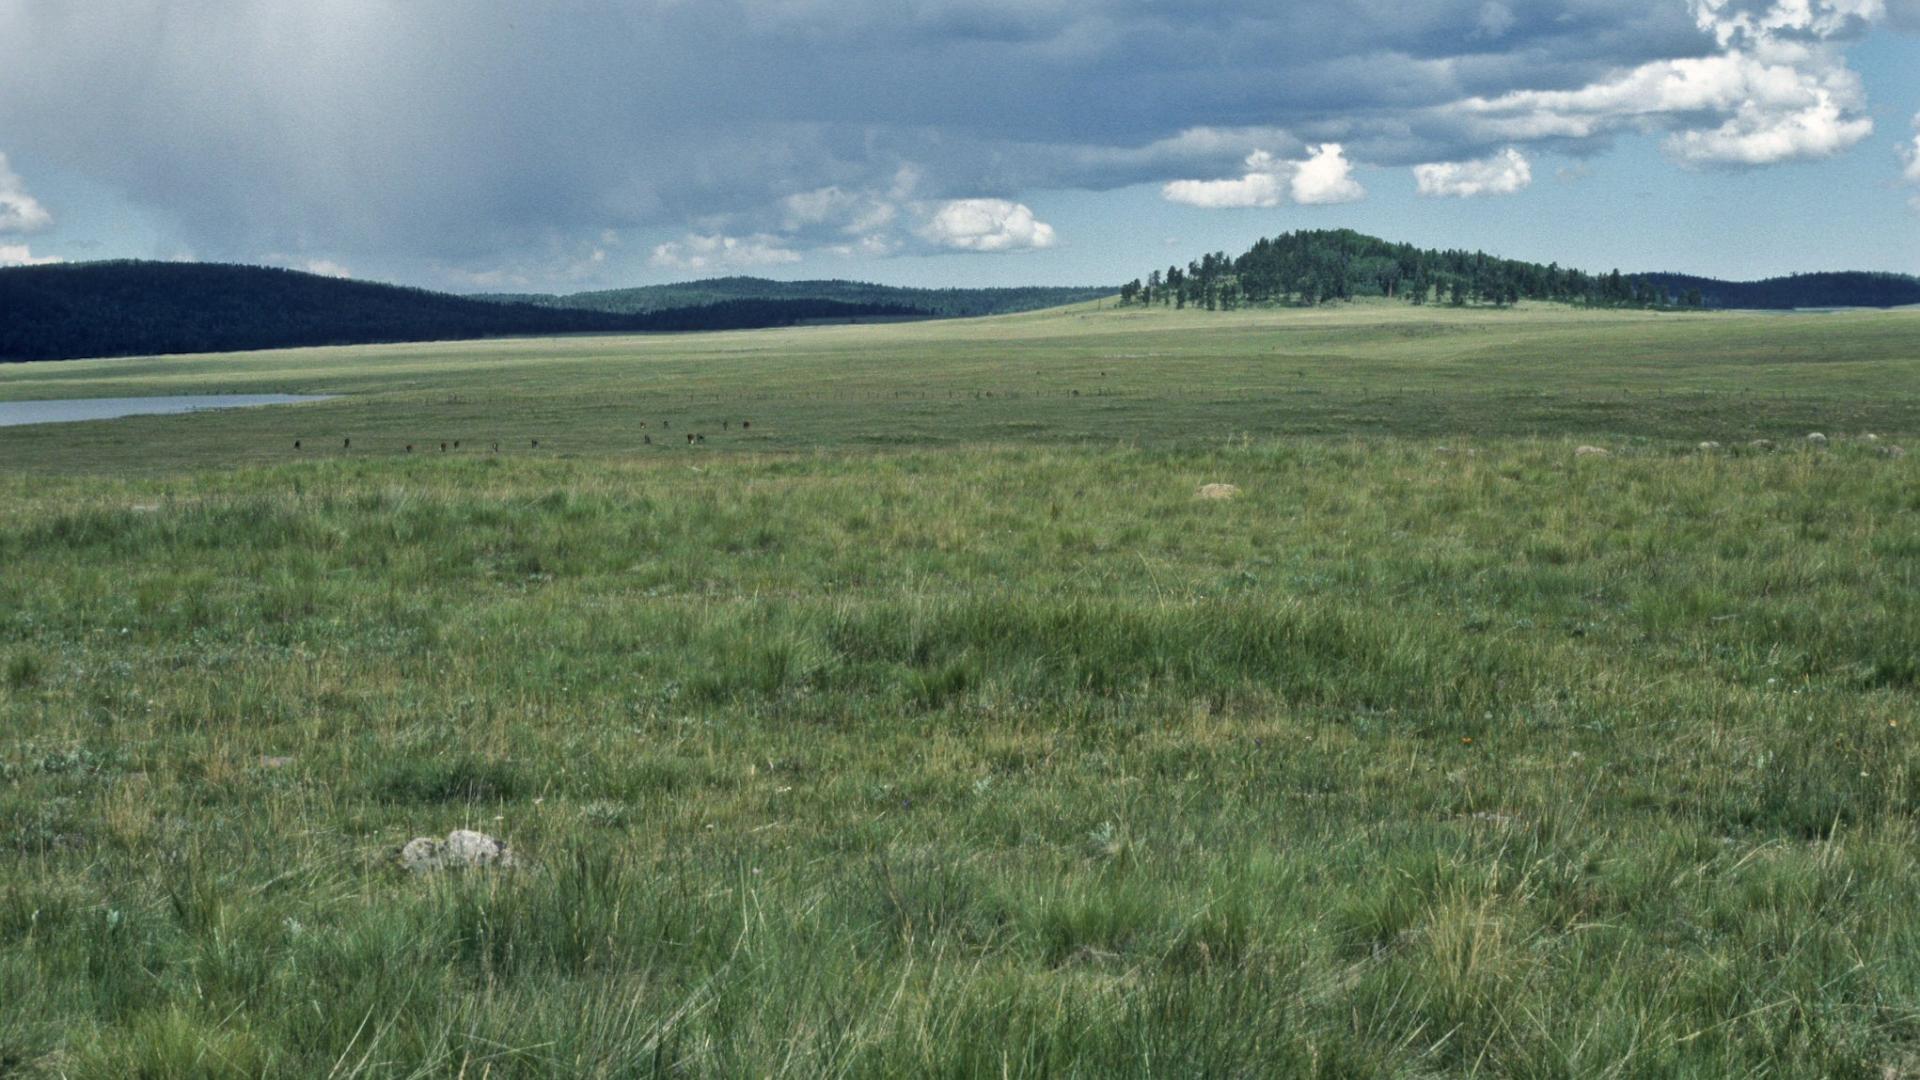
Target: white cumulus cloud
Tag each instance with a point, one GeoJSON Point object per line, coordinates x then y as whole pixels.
{"type": "Point", "coordinates": [1505, 173]}
{"type": "Point", "coordinates": [1758, 136]}
{"type": "Point", "coordinates": [703, 253]}
{"type": "Point", "coordinates": [988, 225]}
{"type": "Point", "coordinates": [21, 255]}
{"type": "Point", "coordinates": [1325, 177]}
{"type": "Point", "coordinates": [19, 211]}
{"type": "Point", "coordinates": [327, 268]}
{"type": "Point", "coordinates": [1779, 87]}
{"type": "Point", "coordinates": [1912, 153]}
{"type": "Point", "coordinates": [1264, 184]}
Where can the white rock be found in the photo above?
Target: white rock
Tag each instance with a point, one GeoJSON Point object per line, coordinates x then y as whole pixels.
{"type": "Point", "coordinates": [1709, 447]}
{"type": "Point", "coordinates": [1817, 439]}
{"type": "Point", "coordinates": [1591, 451]}
{"type": "Point", "coordinates": [1219, 491]}
{"type": "Point", "coordinates": [462, 848]}
{"type": "Point", "coordinates": [422, 854]}
{"type": "Point", "coordinates": [467, 848]}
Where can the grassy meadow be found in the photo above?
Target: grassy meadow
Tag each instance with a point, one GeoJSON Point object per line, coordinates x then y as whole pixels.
{"type": "Point", "coordinates": [933, 726]}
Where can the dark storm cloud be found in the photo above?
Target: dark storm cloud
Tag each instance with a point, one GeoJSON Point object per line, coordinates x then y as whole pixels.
{"type": "Point", "coordinates": [459, 131]}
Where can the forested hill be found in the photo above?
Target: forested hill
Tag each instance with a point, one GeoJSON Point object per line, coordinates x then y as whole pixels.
{"type": "Point", "coordinates": [77, 310]}
{"type": "Point", "coordinates": [1317, 267]}
{"type": "Point", "coordinates": [946, 303]}
{"type": "Point", "coordinates": [1839, 290]}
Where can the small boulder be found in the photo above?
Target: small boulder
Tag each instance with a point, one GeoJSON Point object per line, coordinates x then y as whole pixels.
{"type": "Point", "coordinates": [1709, 447]}
{"type": "Point", "coordinates": [1219, 492]}
{"type": "Point", "coordinates": [1761, 444]}
{"type": "Point", "coordinates": [1591, 451]}
{"type": "Point", "coordinates": [462, 849]}
{"type": "Point", "coordinates": [1817, 439]}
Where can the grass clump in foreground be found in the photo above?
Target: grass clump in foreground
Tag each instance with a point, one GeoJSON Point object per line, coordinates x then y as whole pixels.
{"type": "Point", "coordinates": [1017, 761]}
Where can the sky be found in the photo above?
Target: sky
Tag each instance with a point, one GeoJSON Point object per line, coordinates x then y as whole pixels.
{"type": "Point", "coordinates": [564, 145]}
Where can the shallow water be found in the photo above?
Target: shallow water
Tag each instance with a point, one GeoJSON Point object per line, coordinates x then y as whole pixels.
{"type": "Point", "coordinates": [17, 413]}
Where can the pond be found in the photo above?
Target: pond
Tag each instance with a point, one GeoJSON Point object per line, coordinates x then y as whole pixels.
{"type": "Point", "coordinates": [17, 413]}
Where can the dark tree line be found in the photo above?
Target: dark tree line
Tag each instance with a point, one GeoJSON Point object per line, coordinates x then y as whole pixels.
{"type": "Point", "coordinates": [140, 308]}
{"type": "Point", "coordinates": [1324, 266]}
{"type": "Point", "coordinates": [1829, 290]}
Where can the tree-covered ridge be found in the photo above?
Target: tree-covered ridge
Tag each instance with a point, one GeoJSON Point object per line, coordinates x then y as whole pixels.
{"type": "Point", "coordinates": [1828, 290]}
{"type": "Point", "coordinates": [79, 310]}
{"type": "Point", "coordinates": [1321, 266]}
{"type": "Point", "coordinates": [946, 303]}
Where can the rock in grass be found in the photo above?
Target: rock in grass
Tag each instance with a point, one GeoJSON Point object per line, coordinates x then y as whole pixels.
{"type": "Point", "coordinates": [1894, 452]}
{"type": "Point", "coordinates": [1591, 451]}
{"type": "Point", "coordinates": [1817, 439]}
{"type": "Point", "coordinates": [463, 849]}
{"type": "Point", "coordinates": [1709, 447]}
{"type": "Point", "coordinates": [1219, 491]}
{"type": "Point", "coordinates": [1761, 444]}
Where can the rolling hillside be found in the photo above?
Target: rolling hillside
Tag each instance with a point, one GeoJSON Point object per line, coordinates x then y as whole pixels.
{"type": "Point", "coordinates": [104, 309]}
{"type": "Point", "coordinates": [1311, 267]}
{"type": "Point", "coordinates": [1838, 290]}
{"type": "Point", "coordinates": [947, 303]}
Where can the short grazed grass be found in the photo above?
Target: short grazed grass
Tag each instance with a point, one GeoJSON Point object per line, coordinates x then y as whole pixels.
{"type": "Point", "coordinates": [1440, 754]}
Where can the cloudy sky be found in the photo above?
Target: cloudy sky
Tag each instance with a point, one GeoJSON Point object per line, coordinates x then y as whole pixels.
{"type": "Point", "coordinates": [571, 144]}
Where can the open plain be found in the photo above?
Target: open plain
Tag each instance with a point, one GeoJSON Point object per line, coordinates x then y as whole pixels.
{"type": "Point", "coordinates": [919, 717]}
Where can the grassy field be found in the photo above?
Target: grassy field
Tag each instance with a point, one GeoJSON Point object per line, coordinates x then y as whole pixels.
{"type": "Point", "coordinates": [1079, 376]}
{"type": "Point", "coordinates": [933, 726]}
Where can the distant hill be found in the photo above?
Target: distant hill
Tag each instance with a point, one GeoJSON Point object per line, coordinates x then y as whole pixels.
{"type": "Point", "coordinates": [1313, 267]}
{"type": "Point", "coordinates": [944, 303]}
{"type": "Point", "coordinates": [1838, 290]}
{"type": "Point", "coordinates": [76, 310]}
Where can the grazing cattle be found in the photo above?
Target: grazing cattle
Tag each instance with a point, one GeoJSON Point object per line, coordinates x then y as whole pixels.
{"type": "Point", "coordinates": [648, 439]}
{"type": "Point", "coordinates": [409, 448]}
{"type": "Point", "coordinates": [745, 424]}
{"type": "Point", "coordinates": [346, 444]}
{"type": "Point", "coordinates": [443, 448]}
{"type": "Point", "coordinates": [689, 438]}
{"type": "Point", "coordinates": [723, 425]}
{"type": "Point", "coordinates": [536, 444]}
{"type": "Point", "coordinates": [296, 444]}
{"type": "Point", "coordinates": [456, 444]}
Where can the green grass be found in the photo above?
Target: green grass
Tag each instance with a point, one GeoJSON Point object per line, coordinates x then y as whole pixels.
{"type": "Point", "coordinates": [953, 735]}
{"type": "Point", "coordinates": [1082, 376]}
